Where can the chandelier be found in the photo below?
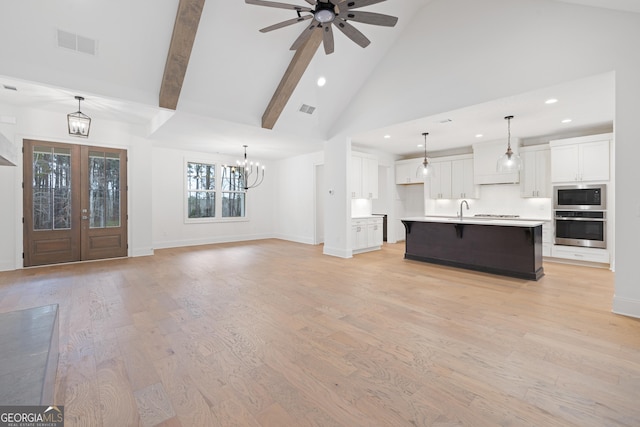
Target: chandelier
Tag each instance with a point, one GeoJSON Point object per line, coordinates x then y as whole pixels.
{"type": "Point", "coordinates": [253, 173]}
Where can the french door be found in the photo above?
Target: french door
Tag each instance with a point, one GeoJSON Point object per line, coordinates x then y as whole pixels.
{"type": "Point", "coordinates": [75, 203]}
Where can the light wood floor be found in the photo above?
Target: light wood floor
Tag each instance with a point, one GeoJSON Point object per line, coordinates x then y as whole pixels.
{"type": "Point", "coordinates": [274, 333]}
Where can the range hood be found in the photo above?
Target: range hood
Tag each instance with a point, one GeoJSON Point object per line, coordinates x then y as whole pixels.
{"type": "Point", "coordinates": [8, 155]}
{"type": "Point", "coordinates": [485, 159]}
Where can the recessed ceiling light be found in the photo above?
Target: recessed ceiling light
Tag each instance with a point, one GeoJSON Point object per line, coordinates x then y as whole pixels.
{"type": "Point", "coordinates": [566, 121]}
{"type": "Point", "coordinates": [479, 135]}
{"type": "Point", "coordinates": [322, 81]}
{"type": "Point", "coordinates": [387, 136]}
{"type": "Point", "coordinates": [419, 145]}
{"type": "Point", "coordinates": [551, 101]}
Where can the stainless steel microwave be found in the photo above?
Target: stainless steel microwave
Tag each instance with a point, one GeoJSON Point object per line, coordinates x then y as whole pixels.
{"type": "Point", "coordinates": [580, 197]}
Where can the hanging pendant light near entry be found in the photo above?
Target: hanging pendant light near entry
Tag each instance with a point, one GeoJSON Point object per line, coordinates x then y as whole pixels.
{"type": "Point", "coordinates": [79, 122]}
{"type": "Point", "coordinates": [509, 161]}
{"type": "Point", "coordinates": [425, 169]}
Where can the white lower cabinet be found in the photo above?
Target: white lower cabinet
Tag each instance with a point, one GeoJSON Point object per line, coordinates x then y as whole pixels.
{"type": "Point", "coordinates": [366, 234]}
{"type": "Point", "coordinates": [581, 254]}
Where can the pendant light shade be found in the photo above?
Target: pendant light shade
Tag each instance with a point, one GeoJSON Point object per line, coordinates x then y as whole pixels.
{"type": "Point", "coordinates": [78, 122]}
{"type": "Point", "coordinates": [509, 162]}
{"type": "Point", "coordinates": [425, 170]}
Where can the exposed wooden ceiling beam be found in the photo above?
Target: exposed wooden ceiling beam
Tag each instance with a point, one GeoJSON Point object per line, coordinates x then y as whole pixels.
{"type": "Point", "coordinates": [184, 34]}
{"type": "Point", "coordinates": [291, 78]}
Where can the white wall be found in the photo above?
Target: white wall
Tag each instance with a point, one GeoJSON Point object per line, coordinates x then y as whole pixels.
{"type": "Point", "coordinates": [337, 207]}
{"type": "Point", "coordinates": [169, 227]}
{"type": "Point", "coordinates": [458, 53]}
{"type": "Point", "coordinates": [48, 126]}
{"type": "Point", "coordinates": [295, 198]}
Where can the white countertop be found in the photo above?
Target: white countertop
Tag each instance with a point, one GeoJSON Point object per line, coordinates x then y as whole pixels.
{"type": "Point", "coordinates": [477, 221]}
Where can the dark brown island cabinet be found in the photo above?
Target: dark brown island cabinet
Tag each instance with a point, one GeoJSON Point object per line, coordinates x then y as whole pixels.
{"type": "Point", "coordinates": [509, 248]}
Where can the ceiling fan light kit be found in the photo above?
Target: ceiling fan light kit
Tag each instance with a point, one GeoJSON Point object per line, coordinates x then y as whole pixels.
{"type": "Point", "coordinates": [326, 13]}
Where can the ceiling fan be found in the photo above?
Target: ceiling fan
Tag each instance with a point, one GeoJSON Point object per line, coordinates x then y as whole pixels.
{"type": "Point", "coordinates": [326, 13]}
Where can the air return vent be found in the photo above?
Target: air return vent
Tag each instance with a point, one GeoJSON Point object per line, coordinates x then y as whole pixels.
{"type": "Point", "coordinates": [307, 109]}
{"type": "Point", "coordinates": [76, 42]}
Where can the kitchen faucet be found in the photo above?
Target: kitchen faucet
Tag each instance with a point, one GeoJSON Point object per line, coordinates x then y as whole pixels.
{"type": "Point", "coordinates": [461, 203]}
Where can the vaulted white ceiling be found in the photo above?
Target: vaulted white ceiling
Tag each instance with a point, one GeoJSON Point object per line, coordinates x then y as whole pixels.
{"type": "Point", "coordinates": [232, 74]}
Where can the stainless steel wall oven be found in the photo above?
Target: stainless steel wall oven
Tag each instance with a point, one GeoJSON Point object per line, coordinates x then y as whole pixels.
{"type": "Point", "coordinates": [581, 228]}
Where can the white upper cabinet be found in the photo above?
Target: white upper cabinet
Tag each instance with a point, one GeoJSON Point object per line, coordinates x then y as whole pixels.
{"type": "Point", "coordinates": [580, 159]}
{"type": "Point", "coordinates": [462, 184]}
{"type": "Point", "coordinates": [369, 178]}
{"type": "Point", "coordinates": [440, 181]}
{"type": "Point", "coordinates": [534, 176]}
{"type": "Point", "coordinates": [364, 177]}
{"type": "Point", "coordinates": [406, 171]}
{"type": "Point", "coordinates": [452, 178]}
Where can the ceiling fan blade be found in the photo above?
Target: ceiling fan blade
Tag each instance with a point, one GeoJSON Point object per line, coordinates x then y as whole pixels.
{"type": "Point", "coordinates": [327, 39]}
{"type": "Point", "coordinates": [285, 23]}
{"type": "Point", "coordinates": [278, 5]}
{"type": "Point", "coordinates": [306, 33]}
{"type": "Point", "coordinates": [355, 4]}
{"type": "Point", "coordinates": [311, 2]}
{"type": "Point", "coordinates": [352, 32]}
{"type": "Point", "coordinates": [370, 18]}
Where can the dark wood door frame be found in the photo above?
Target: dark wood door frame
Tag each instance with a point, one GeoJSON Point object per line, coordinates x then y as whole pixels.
{"type": "Point", "coordinates": [75, 239]}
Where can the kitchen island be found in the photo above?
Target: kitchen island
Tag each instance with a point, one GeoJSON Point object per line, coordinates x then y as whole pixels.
{"type": "Point", "coordinates": [507, 247]}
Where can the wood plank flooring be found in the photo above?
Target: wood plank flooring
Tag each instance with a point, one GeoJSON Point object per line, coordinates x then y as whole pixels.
{"type": "Point", "coordinates": [273, 333]}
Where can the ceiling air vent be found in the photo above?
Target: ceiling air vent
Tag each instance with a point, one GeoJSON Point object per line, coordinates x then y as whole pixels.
{"type": "Point", "coordinates": [307, 109]}
{"type": "Point", "coordinates": [7, 87]}
{"type": "Point", "coordinates": [76, 42]}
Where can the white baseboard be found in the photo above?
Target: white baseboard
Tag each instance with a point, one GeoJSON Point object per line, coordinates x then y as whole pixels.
{"type": "Point", "coordinates": [337, 252]}
{"type": "Point", "coordinates": [209, 241]}
{"type": "Point", "coordinates": [626, 306]}
{"type": "Point", "coordinates": [296, 239]}
{"type": "Point", "coordinates": [141, 252]}
{"type": "Point", "coordinates": [7, 266]}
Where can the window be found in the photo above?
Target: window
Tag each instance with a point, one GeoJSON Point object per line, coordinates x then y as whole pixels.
{"type": "Point", "coordinates": [201, 190]}
{"type": "Point", "coordinates": [214, 192]}
{"type": "Point", "coordinates": [233, 192]}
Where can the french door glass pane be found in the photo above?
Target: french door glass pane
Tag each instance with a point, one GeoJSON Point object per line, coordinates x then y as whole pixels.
{"type": "Point", "coordinates": [51, 188]}
{"type": "Point", "coordinates": [104, 189]}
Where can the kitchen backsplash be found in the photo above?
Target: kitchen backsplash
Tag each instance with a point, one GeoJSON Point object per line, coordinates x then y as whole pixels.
{"type": "Point", "coordinates": [360, 207]}
{"type": "Point", "coordinates": [501, 199]}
